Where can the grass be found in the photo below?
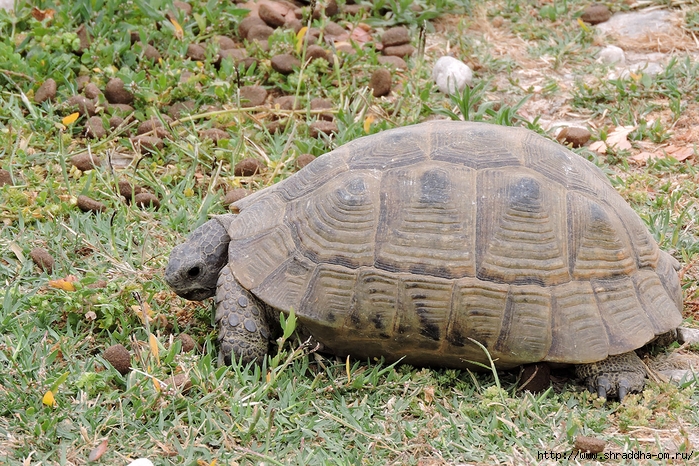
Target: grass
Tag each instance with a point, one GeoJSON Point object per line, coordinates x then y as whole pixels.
{"type": "Point", "coordinates": [534, 68]}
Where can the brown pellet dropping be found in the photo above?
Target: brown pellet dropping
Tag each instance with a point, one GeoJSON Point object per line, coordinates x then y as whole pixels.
{"type": "Point", "coordinates": [150, 143]}
{"type": "Point", "coordinates": [47, 91]}
{"type": "Point", "coordinates": [380, 82]}
{"type": "Point", "coordinates": [145, 200]}
{"type": "Point", "coordinates": [5, 178]}
{"type": "Point", "coordinates": [127, 190]}
{"type": "Point", "coordinates": [398, 35]}
{"type": "Point", "coordinates": [596, 13]}
{"type": "Point", "coordinates": [118, 356]}
{"type": "Point", "coordinates": [42, 259]}
{"type": "Point", "coordinates": [303, 160]}
{"type": "Point", "coordinates": [234, 195]}
{"type": "Point", "coordinates": [285, 63]}
{"type": "Point", "coordinates": [94, 128]}
{"type": "Point", "coordinates": [248, 167]}
{"type": "Point", "coordinates": [575, 136]}
{"type": "Point", "coordinates": [322, 127]}
{"type": "Point", "coordinates": [87, 204]}
{"type": "Point", "coordinates": [82, 104]}
{"type": "Point", "coordinates": [589, 444]}
{"type": "Point", "coordinates": [188, 343]}
{"type": "Point", "coordinates": [116, 93]}
{"type": "Point", "coordinates": [85, 161]}
{"type": "Point", "coordinates": [214, 134]}
{"type": "Point", "coordinates": [91, 91]}
{"type": "Point", "coordinates": [180, 382]}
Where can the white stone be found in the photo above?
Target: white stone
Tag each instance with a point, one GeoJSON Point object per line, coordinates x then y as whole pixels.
{"type": "Point", "coordinates": [688, 335]}
{"type": "Point", "coordinates": [141, 462]}
{"type": "Point", "coordinates": [451, 75]}
{"type": "Point", "coordinates": [612, 55]}
{"type": "Point", "coordinates": [638, 24]}
{"type": "Point", "coordinates": [677, 375]}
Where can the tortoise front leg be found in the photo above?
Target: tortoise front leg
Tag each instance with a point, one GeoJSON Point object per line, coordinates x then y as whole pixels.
{"type": "Point", "coordinates": [615, 376]}
{"type": "Point", "coordinates": [244, 332]}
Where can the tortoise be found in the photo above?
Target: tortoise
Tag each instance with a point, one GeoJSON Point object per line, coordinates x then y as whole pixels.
{"type": "Point", "coordinates": [418, 243]}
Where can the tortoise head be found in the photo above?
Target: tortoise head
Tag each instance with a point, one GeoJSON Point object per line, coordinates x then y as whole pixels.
{"type": "Point", "coordinates": [193, 268]}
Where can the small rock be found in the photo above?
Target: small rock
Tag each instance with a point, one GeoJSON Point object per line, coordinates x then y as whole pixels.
{"type": "Point", "coordinates": [451, 75]}
{"type": "Point", "coordinates": [589, 444]}
{"type": "Point", "coordinates": [398, 35]}
{"type": "Point", "coordinates": [214, 134]}
{"type": "Point", "coordinates": [260, 33]}
{"type": "Point", "coordinates": [85, 161]}
{"type": "Point", "coordinates": [145, 200]}
{"type": "Point", "coordinates": [94, 128]}
{"type": "Point", "coordinates": [82, 104]}
{"type": "Point", "coordinates": [196, 52]}
{"type": "Point", "coordinates": [46, 91]}
{"type": "Point", "coordinates": [234, 195]}
{"type": "Point", "coordinates": [43, 259]}
{"type": "Point", "coordinates": [380, 82]}
{"type": "Point", "coordinates": [141, 462]}
{"type": "Point", "coordinates": [596, 13]}
{"type": "Point", "coordinates": [247, 24]}
{"type": "Point", "coordinates": [677, 375]}
{"type": "Point", "coordinates": [224, 42]}
{"type": "Point", "coordinates": [319, 104]}
{"type": "Point", "coordinates": [535, 377]}
{"type": "Point", "coordinates": [91, 91]}
{"type": "Point", "coordinates": [248, 167]}
{"type": "Point", "coordinates": [313, 52]}
{"type": "Point", "coordinates": [287, 102]}
{"type": "Point", "coordinates": [151, 53]}
{"type": "Point", "coordinates": [402, 51]}
{"type": "Point", "coordinates": [396, 62]}
{"type": "Point", "coordinates": [5, 178]}
{"type": "Point", "coordinates": [188, 343]}
{"type": "Point", "coordinates": [118, 356]}
{"type": "Point", "coordinates": [252, 96]}
{"type": "Point", "coordinates": [150, 143]}
{"type": "Point", "coordinates": [322, 127]}
{"type": "Point", "coordinates": [303, 160]}
{"type": "Point", "coordinates": [87, 204]}
{"type": "Point", "coordinates": [688, 335]}
{"type": "Point", "coordinates": [634, 25]}
{"type": "Point", "coordinates": [285, 63]}
{"type": "Point", "coordinates": [272, 14]}
{"type": "Point", "coordinates": [612, 55]}
{"type": "Point", "coordinates": [573, 135]}
{"type": "Point", "coordinates": [116, 93]}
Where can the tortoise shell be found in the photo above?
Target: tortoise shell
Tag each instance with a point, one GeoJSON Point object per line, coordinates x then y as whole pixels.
{"type": "Point", "coordinates": [413, 242]}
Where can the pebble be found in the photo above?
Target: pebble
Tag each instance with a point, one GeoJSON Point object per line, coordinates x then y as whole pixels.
{"type": "Point", "coordinates": [380, 82]}
{"type": "Point", "coordinates": [574, 135]}
{"type": "Point", "coordinates": [638, 24]}
{"type": "Point", "coordinates": [94, 128]}
{"type": "Point", "coordinates": [285, 63]}
{"type": "Point", "coordinates": [688, 335]}
{"type": "Point", "coordinates": [451, 75]}
{"type": "Point", "coordinates": [46, 91]}
{"type": "Point", "coordinates": [252, 96]}
{"type": "Point", "coordinates": [248, 167]}
{"type": "Point", "coordinates": [116, 93]}
{"type": "Point", "coordinates": [612, 55]}
{"type": "Point", "coordinates": [398, 35]}
{"type": "Point", "coordinates": [43, 259]}
{"type": "Point", "coordinates": [322, 127]}
{"type": "Point", "coordinates": [87, 204]}
{"type": "Point", "coordinates": [596, 13]}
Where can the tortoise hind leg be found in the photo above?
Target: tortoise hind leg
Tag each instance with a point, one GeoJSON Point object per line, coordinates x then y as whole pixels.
{"type": "Point", "coordinates": [244, 331]}
{"type": "Point", "coordinates": [615, 376]}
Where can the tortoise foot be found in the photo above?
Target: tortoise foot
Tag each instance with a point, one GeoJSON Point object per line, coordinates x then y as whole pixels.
{"type": "Point", "coordinates": [244, 332]}
{"type": "Point", "coordinates": [614, 377]}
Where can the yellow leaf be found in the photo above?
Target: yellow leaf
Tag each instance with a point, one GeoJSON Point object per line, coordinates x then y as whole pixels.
{"type": "Point", "coordinates": [367, 123]}
{"type": "Point", "coordinates": [299, 38]}
{"type": "Point", "coordinates": [70, 119]}
{"type": "Point", "coordinates": [179, 32]}
{"type": "Point", "coordinates": [48, 399]}
{"type": "Point", "coordinates": [583, 25]}
{"type": "Point", "coordinates": [188, 192]}
{"type": "Point", "coordinates": [156, 384]}
{"type": "Point", "coordinates": [62, 284]}
{"type": "Point", "coordinates": [347, 368]}
{"type": "Point", "coordinates": [153, 344]}
{"type": "Point", "coordinates": [268, 378]}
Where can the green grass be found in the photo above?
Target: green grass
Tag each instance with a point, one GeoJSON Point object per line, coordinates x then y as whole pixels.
{"type": "Point", "coordinates": [300, 407]}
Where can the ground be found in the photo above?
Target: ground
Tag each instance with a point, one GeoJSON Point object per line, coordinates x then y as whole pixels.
{"type": "Point", "coordinates": [178, 133]}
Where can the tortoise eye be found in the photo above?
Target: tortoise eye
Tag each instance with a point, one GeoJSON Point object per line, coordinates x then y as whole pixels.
{"type": "Point", "coordinates": [193, 272]}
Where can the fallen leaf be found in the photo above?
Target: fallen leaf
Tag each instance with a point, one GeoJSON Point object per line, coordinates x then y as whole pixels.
{"type": "Point", "coordinates": [98, 451]}
{"type": "Point", "coordinates": [348, 369]}
{"type": "Point", "coordinates": [299, 38]}
{"type": "Point", "coordinates": [41, 15]}
{"type": "Point", "coordinates": [642, 157]}
{"type": "Point", "coordinates": [153, 344]}
{"type": "Point", "coordinates": [679, 153]}
{"type": "Point", "coordinates": [367, 123]}
{"type": "Point", "coordinates": [617, 139]}
{"type": "Point", "coordinates": [157, 386]}
{"type": "Point", "coordinates": [360, 35]}
{"type": "Point", "coordinates": [65, 284]}
{"type": "Point", "coordinates": [70, 119]}
{"type": "Point", "coordinates": [429, 394]}
{"type": "Point", "coordinates": [48, 399]}
{"type": "Point", "coordinates": [179, 32]}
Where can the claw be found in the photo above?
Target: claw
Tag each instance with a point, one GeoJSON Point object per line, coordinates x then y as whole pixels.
{"type": "Point", "coordinates": [603, 386]}
{"type": "Point", "coordinates": [623, 390]}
